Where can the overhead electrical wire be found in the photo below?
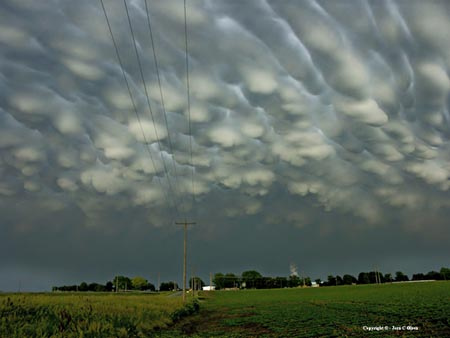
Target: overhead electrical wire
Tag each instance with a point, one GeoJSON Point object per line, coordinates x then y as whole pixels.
{"type": "Point", "coordinates": [148, 101]}
{"type": "Point", "coordinates": [119, 59]}
{"type": "Point", "coordinates": [161, 93]}
{"type": "Point", "coordinates": [189, 101]}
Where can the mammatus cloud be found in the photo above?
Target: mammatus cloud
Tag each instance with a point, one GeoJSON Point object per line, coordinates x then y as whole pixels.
{"type": "Point", "coordinates": [341, 105]}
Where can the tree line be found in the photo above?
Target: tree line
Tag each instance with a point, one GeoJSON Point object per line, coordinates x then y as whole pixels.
{"type": "Point", "coordinates": [119, 283]}
{"type": "Point", "coordinates": [254, 280]}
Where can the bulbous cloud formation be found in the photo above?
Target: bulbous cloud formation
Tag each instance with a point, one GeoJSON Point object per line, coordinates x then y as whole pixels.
{"type": "Point", "coordinates": [342, 105]}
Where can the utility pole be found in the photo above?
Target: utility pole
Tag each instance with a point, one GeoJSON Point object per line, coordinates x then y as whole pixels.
{"type": "Point", "coordinates": [194, 283]}
{"type": "Point", "coordinates": [192, 280]}
{"type": "Point", "coordinates": [185, 224]}
{"type": "Point", "coordinates": [158, 280]}
{"type": "Point", "coordinates": [210, 281]}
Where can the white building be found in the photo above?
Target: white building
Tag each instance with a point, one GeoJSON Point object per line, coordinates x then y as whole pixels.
{"type": "Point", "coordinates": [209, 288]}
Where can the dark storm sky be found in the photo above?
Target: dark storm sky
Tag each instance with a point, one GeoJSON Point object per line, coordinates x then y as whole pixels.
{"type": "Point", "coordinates": [320, 137]}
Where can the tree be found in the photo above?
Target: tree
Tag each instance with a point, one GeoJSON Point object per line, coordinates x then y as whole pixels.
{"type": "Point", "coordinates": [139, 283]}
{"type": "Point", "coordinates": [251, 278]}
{"type": "Point", "coordinates": [401, 277]}
{"type": "Point", "coordinates": [331, 280]}
{"type": "Point", "coordinates": [363, 278]}
{"type": "Point", "coordinates": [388, 277]}
{"type": "Point", "coordinates": [339, 280]}
{"type": "Point", "coordinates": [434, 275]}
{"type": "Point", "coordinates": [307, 281]}
{"type": "Point", "coordinates": [150, 287]}
{"type": "Point", "coordinates": [445, 273]}
{"type": "Point", "coordinates": [269, 283]}
{"type": "Point", "coordinates": [348, 280]}
{"type": "Point", "coordinates": [231, 280]}
{"type": "Point", "coordinates": [281, 282]}
{"type": "Point", "coordinates": [168, 286]}
{"type": "Point", "coordinates": [418, 276]}
{"type": "Point", "coordinates": [293, 281]}
{"type": "Point", "coordinates": [198, 283]}
{"type": "Point", "coordinates": [109, 286]}
{"type": "Point", "coordinates": [83, 287]}
{"type": "Point", "coordinates": [96, 287]}
{"type": "Point", "coordinates": [122, 282]}
{"type": "Point", "coordinates": [219, 280]}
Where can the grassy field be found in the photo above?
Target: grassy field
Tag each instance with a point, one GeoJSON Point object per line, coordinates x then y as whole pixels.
{"type": "Point", "coordinates": [323, 312]}
{"type": "Point", "coordinates": [88, 314]}
{"type": "Point", "coordinates": [311, 312]}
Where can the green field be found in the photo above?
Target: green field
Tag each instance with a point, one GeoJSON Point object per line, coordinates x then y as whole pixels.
{"type": "Point", "coordinates": [323, 312]}
{"type": "Point", "coordinates": [310, 312]}
{"type": "Point", "coordinates": [88, 314]}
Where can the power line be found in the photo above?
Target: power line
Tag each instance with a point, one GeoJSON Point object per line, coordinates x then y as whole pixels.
{"type": "Point", "coordinates": [148, 99]}
{"type": "Point", "coordinates": [132, 101]}
{"type": "Point", "coordinates": [161, 92]}
{"type": "Point", "coordinates": [188, 100]}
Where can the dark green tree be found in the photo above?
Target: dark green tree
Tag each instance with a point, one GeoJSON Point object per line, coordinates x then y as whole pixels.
{"type": "Point", "coordinates": [433, 275]}
{"type": "Point", "coordinates": [388, 278]}
{"type": "Point", "coordinates": [331, 280]}
{"type": "Point", "coordinates": [198, 283]}
{"type": "Point", "coordinates": [418, 276]}
{"type": "Point", "coordinates": [363, 278]}
{"type": "Point", "coordinates": [168, 286]}
{"type": "Point", "coordinates": [219, 280]}
{"type": "Point", "coordinates": [281, 282]}
{"type": "Point", "coordinates": [445, 273]}
{"type": "Point", "coordinates": [401, 277]}
{"type": "Point", "coordinates": [109, 286]}
{"type": "Point", "coordinates": [231, 280]}
{"type": "Point", "coordinates": [122, 283]}
{"type": "Point", "coordinates": [348, 279]}
{"type": "Point", "coordinates": [83, 287]}
{"type": "Point", "coordinates": [139, 283]}
{"type": "Point", "coordinates": [251, 278]}
{"type": "Point", "coordinates": [293, 281]}
{"type": "Point", "coordinates": [150, 287]}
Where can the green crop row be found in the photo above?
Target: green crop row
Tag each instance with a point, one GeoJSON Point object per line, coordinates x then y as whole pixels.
{"type": "Point", "coordinates": [88, 315]}
{"type": "Point", "coordinates": [325, 312]}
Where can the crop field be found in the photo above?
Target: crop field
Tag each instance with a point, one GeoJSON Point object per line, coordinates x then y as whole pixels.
{"type": "Point", "coordinates": [88, 314]}
{"type": "Point", "coordinates": [387, 309]}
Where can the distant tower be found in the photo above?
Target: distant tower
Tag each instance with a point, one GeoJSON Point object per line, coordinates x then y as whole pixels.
{"type": "Point", "coordinates": [293, 269]}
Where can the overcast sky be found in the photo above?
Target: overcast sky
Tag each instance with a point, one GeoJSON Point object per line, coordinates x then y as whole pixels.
{"type": "Point", "coordinates": [320, 137]}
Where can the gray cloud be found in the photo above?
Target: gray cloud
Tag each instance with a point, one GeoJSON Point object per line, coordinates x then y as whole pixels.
{"type": "Point", "coordinates": [297, 110]}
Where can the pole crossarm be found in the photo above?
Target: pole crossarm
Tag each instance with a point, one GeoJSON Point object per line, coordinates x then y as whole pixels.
{"type": "Point", "coordinates": [185, 224]}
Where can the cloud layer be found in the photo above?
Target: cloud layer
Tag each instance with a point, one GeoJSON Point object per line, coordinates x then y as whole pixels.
{"type": "Point", "coordinates": [297, 109]}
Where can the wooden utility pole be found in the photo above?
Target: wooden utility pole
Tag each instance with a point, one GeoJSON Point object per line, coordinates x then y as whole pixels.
{"type": "Point", "coordinates": [193, 282]}
{"type": "Point", "coordinates": [185, 224]}
{"type": "Point", "coordinates": [159, 281]}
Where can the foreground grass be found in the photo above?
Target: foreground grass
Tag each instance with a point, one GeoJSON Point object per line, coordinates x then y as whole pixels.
{"type": "Point", "coordinates": [322, 312]}
{"type": "Point", "coordinates": [88, 314]}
